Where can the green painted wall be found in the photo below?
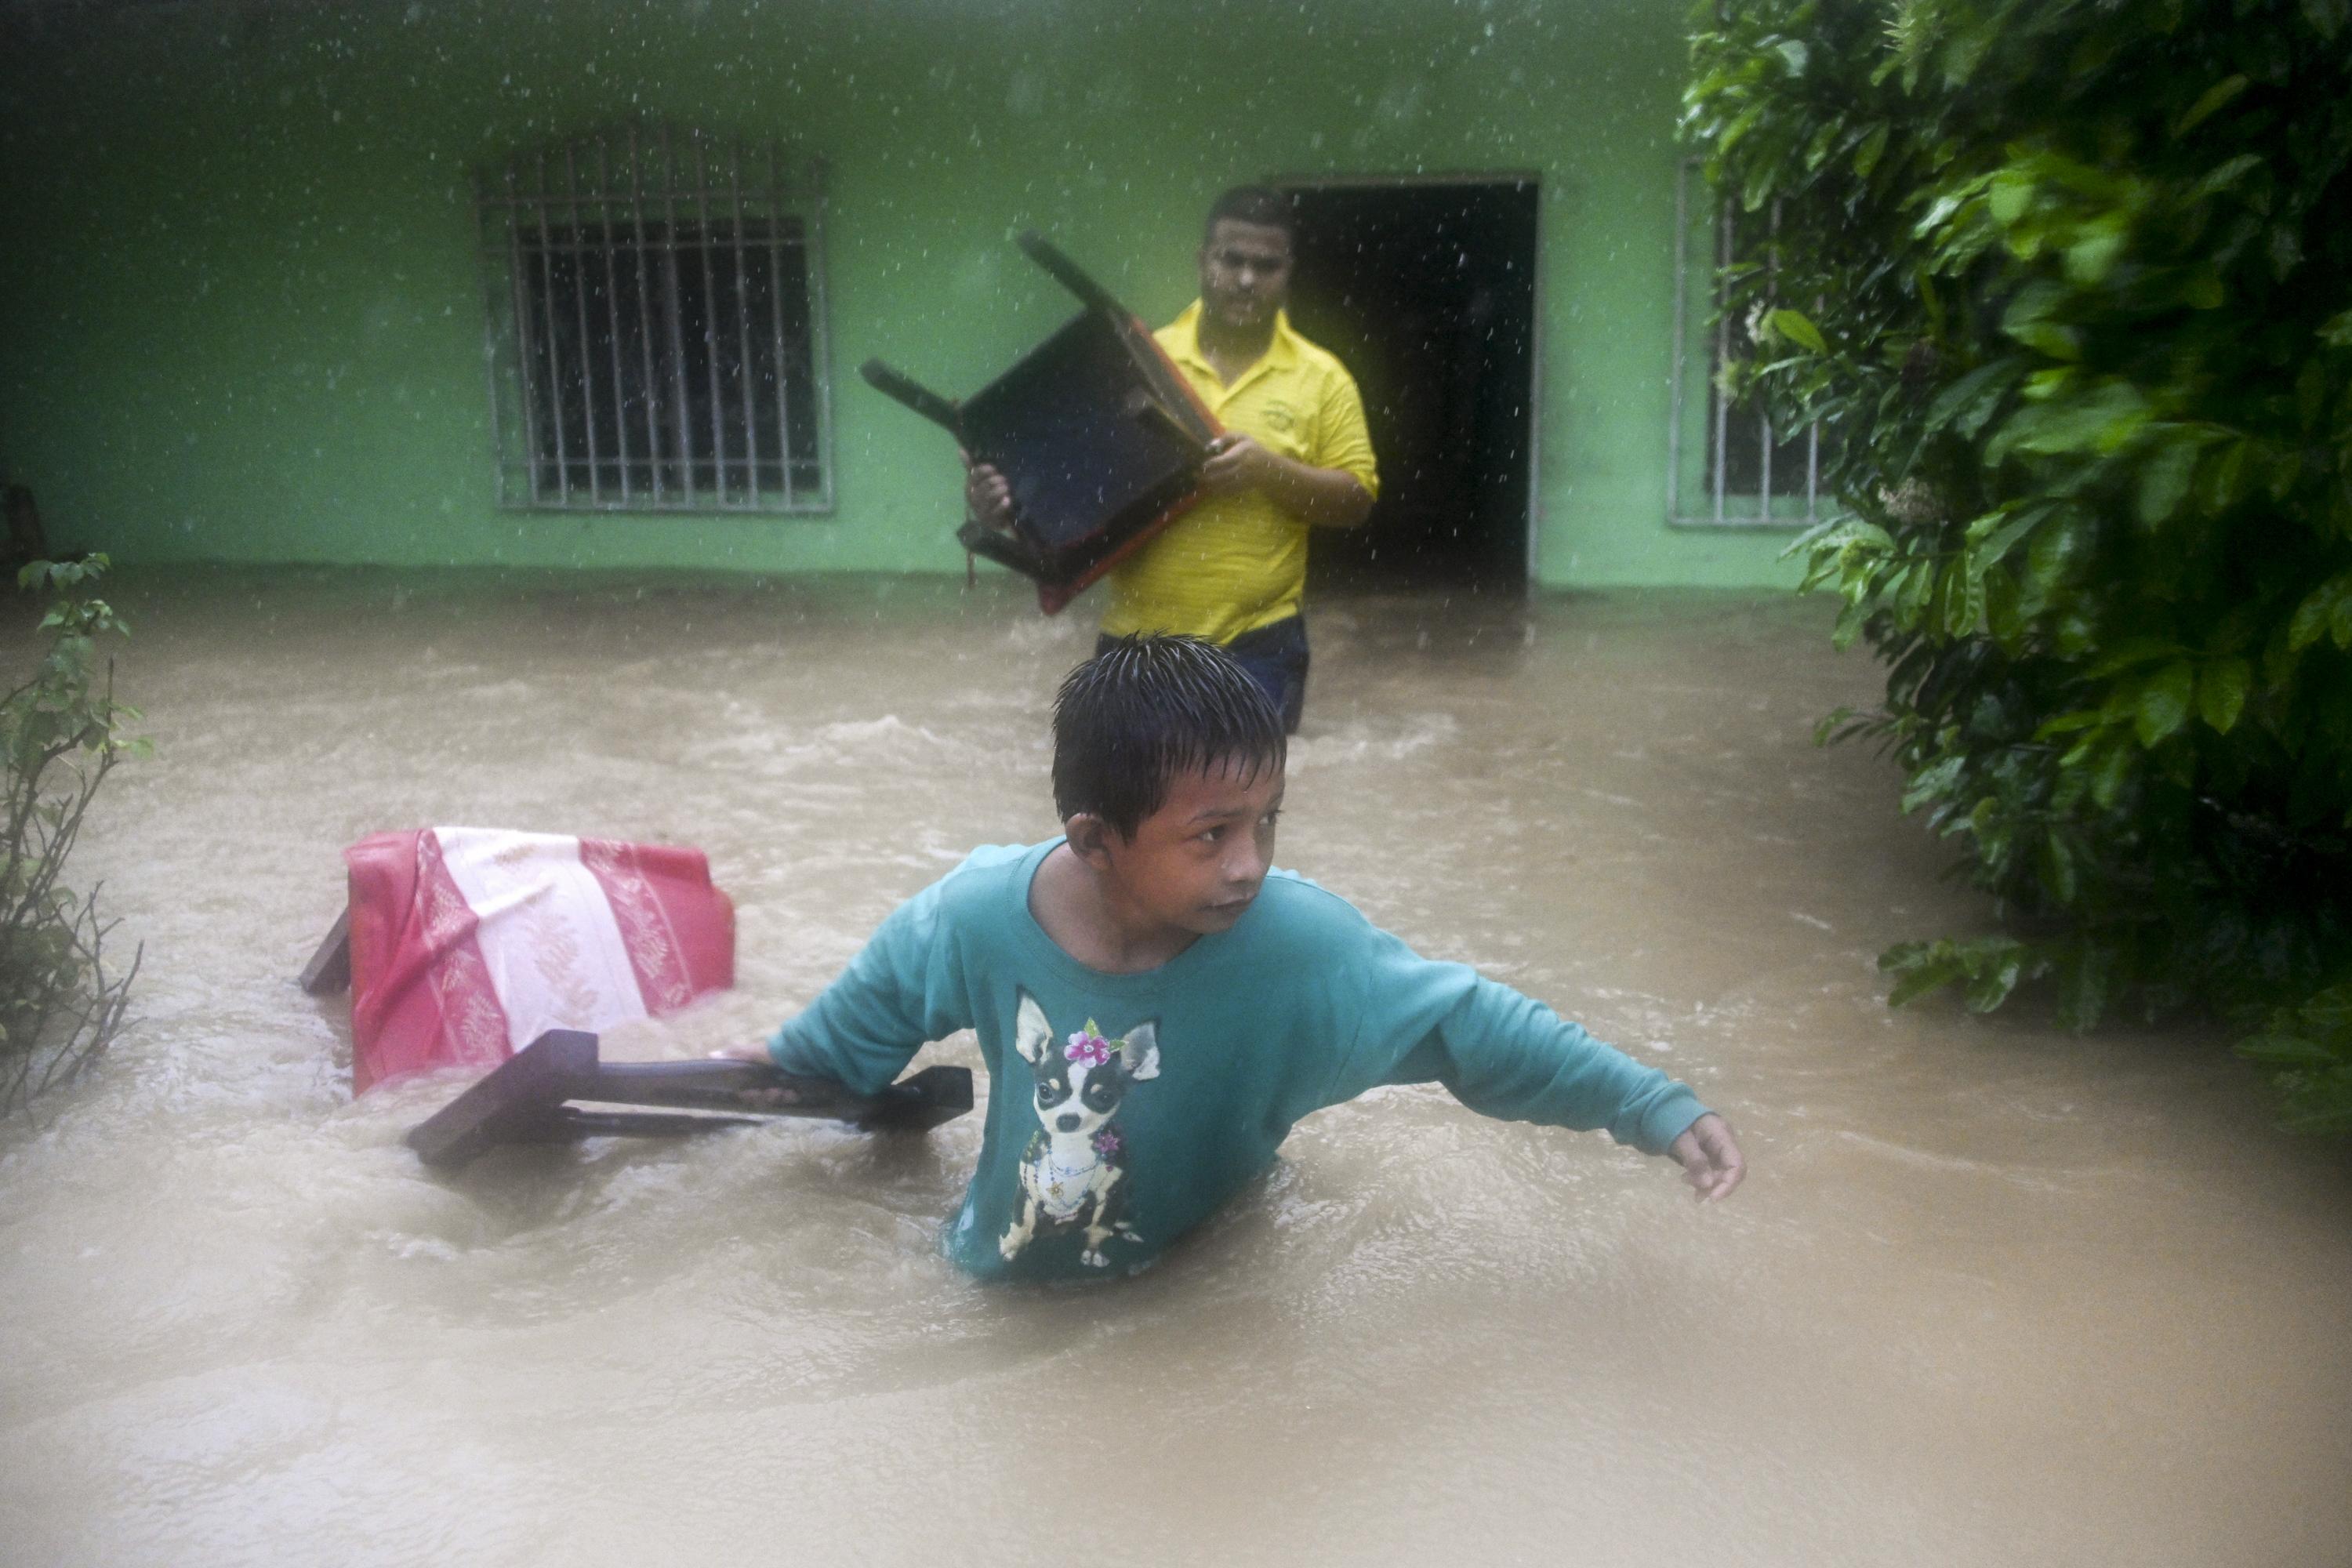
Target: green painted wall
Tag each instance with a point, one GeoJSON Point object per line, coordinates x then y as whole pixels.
{"type": "Point", "coordinates": [240, 313]}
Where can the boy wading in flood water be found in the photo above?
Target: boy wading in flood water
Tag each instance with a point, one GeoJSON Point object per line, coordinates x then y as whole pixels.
{"type": "Point", "coordinates": [1156, 1007]}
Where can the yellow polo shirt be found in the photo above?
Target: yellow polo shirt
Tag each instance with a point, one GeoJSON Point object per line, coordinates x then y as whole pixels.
{"type": "Point", "coordinates": [1236, 562]}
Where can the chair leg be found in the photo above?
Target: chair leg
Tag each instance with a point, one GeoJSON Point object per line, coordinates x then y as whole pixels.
{"type": "Point", "coordinates": [329, 969]}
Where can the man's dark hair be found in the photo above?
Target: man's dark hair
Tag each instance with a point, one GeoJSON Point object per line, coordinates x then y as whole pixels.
{"type": "Point", "coordinates": [1254, 204]}
{"type": "Point", "coordinates": [1146, 708]}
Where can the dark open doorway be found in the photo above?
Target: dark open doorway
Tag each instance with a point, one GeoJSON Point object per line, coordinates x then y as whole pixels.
{"type": "Point", "coordinates": [1427, 290]}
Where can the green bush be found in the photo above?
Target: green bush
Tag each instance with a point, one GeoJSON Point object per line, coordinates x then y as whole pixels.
{"type": "Point", "coordinates": [61, 733]}
{"type": "Point", "coordinates": [2066, 285]}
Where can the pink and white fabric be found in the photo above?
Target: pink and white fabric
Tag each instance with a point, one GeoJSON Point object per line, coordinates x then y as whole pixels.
{"type": "Point", "coordinates": [469, 942]}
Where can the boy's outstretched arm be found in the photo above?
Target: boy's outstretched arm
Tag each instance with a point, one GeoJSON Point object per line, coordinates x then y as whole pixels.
{"type": "Point", "coordinates": [868, 1023]}
{"type": "Point", "coordinates": [1709, 1157]}
{"type": "Point", "coordinates": [1504, 1054]}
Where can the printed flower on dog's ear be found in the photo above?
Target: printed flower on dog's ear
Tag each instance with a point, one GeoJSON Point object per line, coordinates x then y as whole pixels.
{"type": "Point", "coordinates": [1087, 1048]}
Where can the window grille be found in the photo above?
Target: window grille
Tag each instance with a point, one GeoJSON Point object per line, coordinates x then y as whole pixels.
{"type": "Point", "coordinates": [1726, 465]}
{"type": "Point", "coordinates": [656, 326]}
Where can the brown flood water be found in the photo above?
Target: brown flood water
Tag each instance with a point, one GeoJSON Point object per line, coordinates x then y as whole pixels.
{"type": "Point", "coordinates": [1990, 1296]}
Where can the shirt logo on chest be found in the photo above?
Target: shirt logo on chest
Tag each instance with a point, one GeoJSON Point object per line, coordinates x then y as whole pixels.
{"type": "Point", "coordinates": [1074, 1170]}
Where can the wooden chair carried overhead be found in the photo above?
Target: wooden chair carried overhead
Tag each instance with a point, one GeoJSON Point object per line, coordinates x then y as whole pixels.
{"type": "Point", "coordinates": [1095, 430]}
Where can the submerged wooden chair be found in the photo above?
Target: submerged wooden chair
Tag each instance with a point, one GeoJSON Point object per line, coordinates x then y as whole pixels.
{"type": "Point", "coordinates": [527, 1099]}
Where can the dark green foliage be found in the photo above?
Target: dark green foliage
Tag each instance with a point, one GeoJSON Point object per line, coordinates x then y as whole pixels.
{"type": "Point", "coordinates": [2073, 308]}
{"type": "Point", "coordinates": [60, 734]}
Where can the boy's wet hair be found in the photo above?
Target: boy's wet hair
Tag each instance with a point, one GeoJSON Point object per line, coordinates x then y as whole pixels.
{"type": "Point", "coordinates": [1259, 204]}
{"type": "Point", "coordinates": [1147, 709]}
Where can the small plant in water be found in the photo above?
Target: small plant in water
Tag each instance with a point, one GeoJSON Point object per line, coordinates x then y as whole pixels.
{"type": "Point", "coordinates": [61, 733]}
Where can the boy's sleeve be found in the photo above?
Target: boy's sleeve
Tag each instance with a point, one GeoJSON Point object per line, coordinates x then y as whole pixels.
{"type": "Point", "coordinates": [1502, 1054]}
{"type": "Point", "coordinates": [898, 993]}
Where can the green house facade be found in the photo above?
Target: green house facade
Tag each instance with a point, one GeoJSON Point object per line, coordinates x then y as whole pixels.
{"type": "Point", "coordinates": [332, 282]}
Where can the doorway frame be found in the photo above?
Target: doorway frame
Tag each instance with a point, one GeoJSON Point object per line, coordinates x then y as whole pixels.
{"type": "Point", "coordinates": [1300, 181]}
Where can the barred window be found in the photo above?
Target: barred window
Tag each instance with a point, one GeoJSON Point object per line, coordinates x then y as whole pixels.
{"type": "Point", "coordinates": [1725, 466]}
{"type": "Point", "coordinates": [656, 326]}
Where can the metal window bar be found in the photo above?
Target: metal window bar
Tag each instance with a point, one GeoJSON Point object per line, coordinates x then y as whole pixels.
{"type": "Point", "coordinates": [649, 388]}
{"type": "Point", "coordinates": [743, 366]}
{"type": "Point", "coordinates": [680, 410]}
{"type": "Point", "coordinates": [677, 301]}
{"type": "Point", "coordinates": [1677, 364]}
{"type": "Point", "coordinates": [1726, 491]}
{"type": "Point", "coordinates": [709, 332]}
{"type": "Point", "coordinates": [522, 330]}
{"type": "Point", "coordinates": [1813, 459]}
{"type": "Point", "coordinates": [613, 324]}
{"type": "Point", "coordinates": [1715, 373]}
{"type": "Point", "coordinates": [580, 306]}
{"type": "Point", "coordinates": [547, 342]}
{"type": "Point", "coordinates": [817, 346]}
{"type": "Point", "coordinates": [776, 322]}
{"type": "Point", "coordinates": [1764, 419]}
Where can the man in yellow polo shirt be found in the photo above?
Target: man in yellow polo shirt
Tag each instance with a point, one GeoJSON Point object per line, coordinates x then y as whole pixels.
{"type": "Point", "coordinates": [1294, 455]}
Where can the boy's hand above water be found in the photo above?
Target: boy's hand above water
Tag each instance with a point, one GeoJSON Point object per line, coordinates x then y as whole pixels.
{"type": "Point", "coordinates": [1710, 1160]}
{"type": "Point", "coordinates": [758, 1052]}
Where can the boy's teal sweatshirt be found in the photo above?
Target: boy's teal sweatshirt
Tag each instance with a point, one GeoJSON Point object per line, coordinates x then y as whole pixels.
{"type": "Point", "coordinates": [1124, 1109]}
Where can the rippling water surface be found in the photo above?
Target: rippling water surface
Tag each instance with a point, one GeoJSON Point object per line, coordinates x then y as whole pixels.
{"type": "Point", "coordinates": [1991, 1295]}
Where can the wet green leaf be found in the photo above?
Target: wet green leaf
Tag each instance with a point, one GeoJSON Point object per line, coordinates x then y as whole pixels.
{"type": "Point", "coordinates": [2101, 419]}
{"type": "Point", "coordinates": [1964, 604]}
{"type": "Point", "coordinates": [2225, 175]}
{"type": "Point", "coordinates": [2164, 479]}
{"type": "Point", "coordinates": [2286, 1050]}
{"type": "Point", "coordinates": [2067, 723]}
{"type": "Point", "coordinates": [1794, 326]}
{"type": "Point", "coordinates": [1996, 533]}
{"type": "Point", "coordinates": [2083, 987]}
{"type": "Point", "coordinates": [2109, 774]}
{"type": "Point", "coordinates": [2312, 617]}
{"type": "Point", "coordinates": [2163, 705]}
{"type": "Point", "coordinates": [2058, 867]}
{"type": "Point", "coordinates": [1992, 983]}
{"type": "Point", "coordinates": [1922, 981]}
{"type": "Point", "coordinates": [2221, 689]}
{"type": "Point", "coordinates": [1849, 623]}
{"type": "Point", "coordinates": [2130, 653]}
{"type": "Point", "coordinates": [2091, 255]}
{"type": "Point", "coordinates": [2210, 103]}
{"type": "Point", "coordinates": [2011, 196]}
{"type": "Point", "coordinates": [2328, 1013]}
{"type": "Point", "coordinates": [1966, 404]}
{"type": "Point", "coordinates": [1840, 532]}
{"type": "Point", "coordinates": [1818, 149]}
{"type": "Point", "coordinates": [1873, 148]}
{"type": "Point", "coordinates": [1919, 585]}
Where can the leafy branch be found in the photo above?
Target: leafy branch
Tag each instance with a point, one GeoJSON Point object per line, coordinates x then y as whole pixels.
{"type": "Point", "coordinates": [62, 735]}
{"type": "Point", "coordinates": [2079, 344]}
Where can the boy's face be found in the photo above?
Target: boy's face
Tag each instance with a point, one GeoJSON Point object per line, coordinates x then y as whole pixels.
{"type": "Point", "coordinates": [1196, 863]}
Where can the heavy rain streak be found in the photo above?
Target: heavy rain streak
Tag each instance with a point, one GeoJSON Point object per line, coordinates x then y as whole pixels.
{"type": "Point", "coordinates": [1991, 1294]}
